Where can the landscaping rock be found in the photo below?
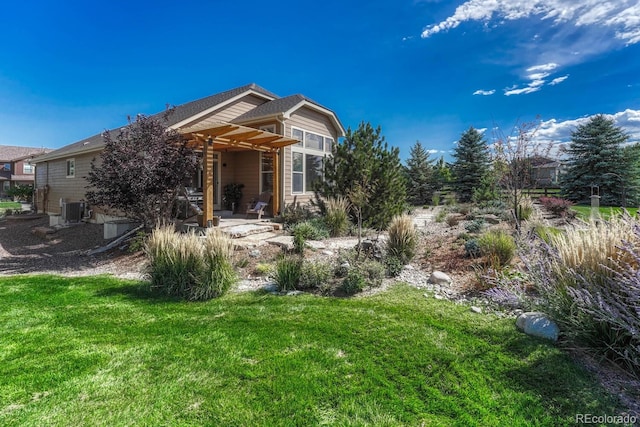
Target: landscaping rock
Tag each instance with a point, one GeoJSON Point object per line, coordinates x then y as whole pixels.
{"type": "Point", "coordinates": [270, 287]}
{"type": "Point", "coordinates": [294, 293]}
{"type": "Point", "coordinates": [254, 253]}
{"type": "Point", "coordinates": [315, 244]}
{"type": "Point", "coordinates": [439, 278]}
{"type": "Point", "coordinates": [476, 309]}
{"type": "Point", "coordinates": [282, 241]}
{"type": "Point", "coordinates": [44, 232]}
{"type": "Point", "coordinates": [490, 218]}
{"type": "Point", "coordinates": [538, 325]}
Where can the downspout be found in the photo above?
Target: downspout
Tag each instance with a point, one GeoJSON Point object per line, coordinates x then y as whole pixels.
{"type": "Point", "coordinates": [280, 119]}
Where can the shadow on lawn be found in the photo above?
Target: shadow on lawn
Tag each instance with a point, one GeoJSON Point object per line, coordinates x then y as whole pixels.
{"type": "Point", "coordinates": [138, 291]}
{"type": "Point", "coordinates": [548, 371]}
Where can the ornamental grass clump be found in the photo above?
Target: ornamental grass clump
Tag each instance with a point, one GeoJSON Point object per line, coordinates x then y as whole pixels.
{"type": "Point", "coordinates": [287, 273]}
{"type": "Point", "coordinates": [218, 275]}
{"type": "Point", "coordinates": [589, 282]}
{"type": "Point", "coordinates": [183, 265]}
{"type": "Point", "coordinates": [337, 216]}
{"type": "Point", "coordinates": [498, 247]}
{"type": "Point", "coordinates": [403, 238]}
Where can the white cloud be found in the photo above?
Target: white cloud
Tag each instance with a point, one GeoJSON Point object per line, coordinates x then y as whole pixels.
{"type": "Point", "coordinates": [484, 92]}
{"type": "Point", "coordinates": [558, 80]}
{"type": "Point", "coordinates": [520, 91]}
{"type": "Point", "coordinates": [432, 151]}
{"type": "Point", "coordinates": [621, 16]}
{"type": "Point", "coordinates": [553, 131]}
{"type": "Point", "coordinates": [543, 67]}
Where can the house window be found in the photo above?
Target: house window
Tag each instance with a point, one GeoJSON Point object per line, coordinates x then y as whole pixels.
{"type": "Point", "coordinates": [6, 167]}
{"type": "Point", "coordinates": [307, 159]}
{"type": "Point", "coordinates": [6, 185]}
{"type": "Point", "coordinates": [71, 168]}
{"type": "Point", "coordinates": [28, 169]}
{"type": "Point", "coordinates": [266, 172]}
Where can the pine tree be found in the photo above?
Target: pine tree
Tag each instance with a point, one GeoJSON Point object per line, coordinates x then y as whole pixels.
{"type": "Point", "coordinates": [364, 157]}
{"type": "Point", "coordinates": [471, 163]}
{"type": "Point", "coordinates": [596, 157]}
{"type": "Point", "coordinates": [420, 175]}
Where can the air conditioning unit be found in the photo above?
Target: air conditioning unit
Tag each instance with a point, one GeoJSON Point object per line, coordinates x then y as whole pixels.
{"type": "Point", "coordinates": [72, 211]}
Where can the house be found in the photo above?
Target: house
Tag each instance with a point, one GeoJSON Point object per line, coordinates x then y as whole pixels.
{"type": "Point", "coordinates": [545, 171]}
{"type": "Point", "coordinates": [16, 167]}
{"type": "Point", "coordinates": [247, 135]}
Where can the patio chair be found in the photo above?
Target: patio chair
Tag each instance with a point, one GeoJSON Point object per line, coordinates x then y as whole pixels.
{"type": "Point", "coordinates": [259, 206]}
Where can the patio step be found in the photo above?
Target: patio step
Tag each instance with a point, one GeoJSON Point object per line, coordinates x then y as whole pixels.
{"type": "Point", "coordinates": [244, 230]}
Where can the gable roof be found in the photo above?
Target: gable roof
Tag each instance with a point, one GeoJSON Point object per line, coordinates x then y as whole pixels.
{"type": "Point", "coordinates": [286, 106]}
{"type": "Point", "coordinates": [10, 153]}
{"type": "Point", "coordinates": [191, 111]}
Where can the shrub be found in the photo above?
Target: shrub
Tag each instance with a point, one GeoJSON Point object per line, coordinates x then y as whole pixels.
{"type": "Point", "coordinates": [287, 273]}
{"type": "Point", "coordinates": [263, 269]}
{"type": "Point", "coordinates": [472, 248]}
{"type": "Point", "coordinates": [441, 215]}
{"type": "Point", "coordinates": [475, 226]}
{"type": "Point", "coordinates": [498, 246]}
{"type": "Point", "coordinates": [394, 266]}
{"type": "Point", "coordinates": [314, 275]}
{"type": "Point", "coordinates": [557, 206]}
{"type": "Point", "coordinates": [337, 216]}
{"type": "Point", "coordinates": [589, 282]}
{"type": "Point", "coordinates": [435, 199]}
{"type": "Point", "coordinates": [403, 238]}
{"type": "Point", "coordinates": [308, 230]}
{"type": "Point", "coordinates": [354, 282]}
{"type": "Point", "coordinates": [182, 265]}
{"type": "Point", "coordinates": [137, 242]}
{"type": "Point", "coordinates": [525, 209]}
{"type": "Point", "coordinates": [373, 272]}
{"type": "Point", "coordinates": [453, 220]}
{"type": "Point", "coordinates": [295, 213]}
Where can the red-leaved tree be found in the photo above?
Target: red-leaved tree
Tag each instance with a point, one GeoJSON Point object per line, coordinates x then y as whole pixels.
{"type": "Point", "coordinates": [141, 171]}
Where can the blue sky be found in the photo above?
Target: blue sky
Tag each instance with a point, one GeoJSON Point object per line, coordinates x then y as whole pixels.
{"type": "Point", "coordinates": [421, 69]}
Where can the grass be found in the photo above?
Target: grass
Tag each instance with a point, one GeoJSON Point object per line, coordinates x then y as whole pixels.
{"type": "Point", "coordinates": [9, 205]}
{"type": "Point", "coordinates": [101, 351]}
{"type": "Point", "coordinates": [584, 212]}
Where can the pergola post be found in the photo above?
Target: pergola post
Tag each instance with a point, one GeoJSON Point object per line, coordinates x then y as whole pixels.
{"type": "Point", "coordinates": [208, 179]}
{"type": "Point", "coordinates": [276, 182]}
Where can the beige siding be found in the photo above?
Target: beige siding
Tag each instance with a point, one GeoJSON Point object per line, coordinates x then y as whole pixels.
{"type": "Point", "coordinates": [233, 110]}
{"type": "Point", "coordinates": [311, 121]}
{"type": "Point", "coordinates": [54, 174]}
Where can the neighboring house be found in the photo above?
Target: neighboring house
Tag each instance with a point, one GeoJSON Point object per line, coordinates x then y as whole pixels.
{"type": "Point", "coordinates": [246, 135]}
{"type": "Point", "coordinates": [545, 171]}
{"type": "Point", "coordinates": [16, 167]}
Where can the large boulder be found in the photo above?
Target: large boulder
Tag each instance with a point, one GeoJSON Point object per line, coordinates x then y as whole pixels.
{"type": "Point", "coordinates": [439, 278]}
{"type": "Point", "coordinates": [538, 325]}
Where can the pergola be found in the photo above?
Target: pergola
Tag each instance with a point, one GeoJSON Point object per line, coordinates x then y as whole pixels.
{"type": "Point", "coordinates": [213, 136]}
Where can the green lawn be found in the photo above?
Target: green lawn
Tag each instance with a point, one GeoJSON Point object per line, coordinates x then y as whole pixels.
{"type": "Point", "coordinates": [9, 205]}
{"type": "Point", "coordinates": [100, 351]}
{"type": "Point", "coordinates": [584, 212]}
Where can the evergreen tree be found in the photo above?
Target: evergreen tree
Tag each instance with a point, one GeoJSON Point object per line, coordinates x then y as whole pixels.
{"type": "Point", "coordinates": [596, 157]}
{"type": "Point", "coordinates": [420, 176]}
{"type": "Point", "coordinates": [364, 158]}
{"type": "Point", "coordinates": [471, 163]}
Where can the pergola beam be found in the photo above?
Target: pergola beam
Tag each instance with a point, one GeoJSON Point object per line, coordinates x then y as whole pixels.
{"type": "Point", "coordinates": [227, 136]}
